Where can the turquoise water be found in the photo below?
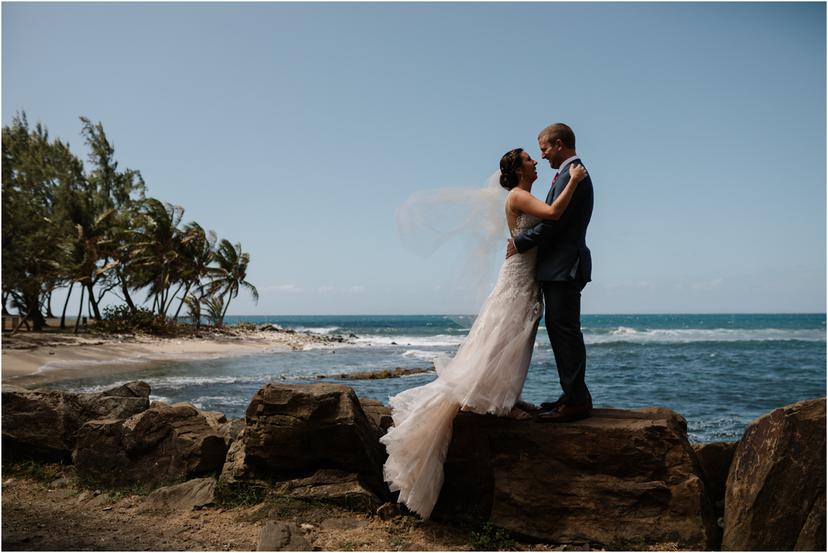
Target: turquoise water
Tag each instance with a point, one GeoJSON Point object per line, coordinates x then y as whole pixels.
{"type": "Point", "coordinates": [719, 371]}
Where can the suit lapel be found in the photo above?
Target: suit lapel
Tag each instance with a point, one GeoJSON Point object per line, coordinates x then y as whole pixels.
{"type": "Point", "coordinates": [563, 177]}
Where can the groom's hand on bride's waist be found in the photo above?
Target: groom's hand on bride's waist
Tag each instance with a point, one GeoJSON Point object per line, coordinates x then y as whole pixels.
{"type": "Point", "coordinates": [510, 248]}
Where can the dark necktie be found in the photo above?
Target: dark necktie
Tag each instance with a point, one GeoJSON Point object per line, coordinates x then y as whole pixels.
{"type": "Point", "coordinates": [552, 190]}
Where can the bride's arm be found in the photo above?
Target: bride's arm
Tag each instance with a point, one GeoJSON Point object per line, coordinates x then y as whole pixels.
{"type": "Point", "coordinates": [525, 202]}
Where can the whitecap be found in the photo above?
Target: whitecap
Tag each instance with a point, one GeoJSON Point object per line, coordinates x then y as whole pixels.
{"type": "Point", "coordinates": [689, 335]}
{"type": "Point", "coordinates": [424, 355]}
{"type": "Point", "coordinates": [317, 330]}
{"type": "Point", "coordinates": [438, 340]}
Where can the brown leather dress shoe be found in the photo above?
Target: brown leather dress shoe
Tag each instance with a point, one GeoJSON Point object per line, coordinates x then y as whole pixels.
{"type": "Point", "coordinates": [564, 413]}
{"type": "Point", "coordinates": [528, 407]}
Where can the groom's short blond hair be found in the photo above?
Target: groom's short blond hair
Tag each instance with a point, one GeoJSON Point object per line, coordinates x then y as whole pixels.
{"type": "Point", "coordinates": [556, 131]}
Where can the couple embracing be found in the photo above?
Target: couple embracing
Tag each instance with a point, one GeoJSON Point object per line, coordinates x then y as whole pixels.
{"type": "Point", "coordinates": [547, 258]}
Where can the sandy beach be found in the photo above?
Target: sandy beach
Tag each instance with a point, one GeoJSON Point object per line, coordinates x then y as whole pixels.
{"type": "Point", "coordinates": [33, 359]}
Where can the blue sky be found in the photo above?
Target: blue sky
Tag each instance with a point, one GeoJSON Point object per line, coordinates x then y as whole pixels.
{"type": "Point", "coordinates": [299, 129]}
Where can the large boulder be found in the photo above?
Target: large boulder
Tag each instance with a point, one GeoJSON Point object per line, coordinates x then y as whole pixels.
{"type": "Point", "coordinates": [616, 478]}
{"type": "Point", "coordinates": [164, 444]}
{"type": "Point", "coordinates": [43, 424]}
{"type": "Point", "coordinates": [120, 402]}
{"type": "Point", "coordinates": [291, 431]}
{"type": "Point", "coordinates": [775, 496]}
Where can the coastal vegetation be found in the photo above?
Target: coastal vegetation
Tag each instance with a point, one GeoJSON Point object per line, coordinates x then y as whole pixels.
{"type": "Point", "coordinates": [92, 229]}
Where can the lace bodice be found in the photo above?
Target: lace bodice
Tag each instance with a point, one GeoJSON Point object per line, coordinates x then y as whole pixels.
{"type": "Point", "coordinates": [523, 222]}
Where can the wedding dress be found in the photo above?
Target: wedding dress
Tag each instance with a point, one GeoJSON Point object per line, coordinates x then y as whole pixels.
{"type": "Point", "coordinates": [485, 376]}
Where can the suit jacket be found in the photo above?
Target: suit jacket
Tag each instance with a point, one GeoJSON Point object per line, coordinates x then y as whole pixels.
{"type": "Point", "coordinates": [562, 250]}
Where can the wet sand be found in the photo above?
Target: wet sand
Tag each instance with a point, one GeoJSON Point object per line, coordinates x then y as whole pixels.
{"type": "Point", "coordinates": [32, 359]}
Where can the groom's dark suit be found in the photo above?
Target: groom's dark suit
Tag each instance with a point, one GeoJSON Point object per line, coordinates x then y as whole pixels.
{"type": "Point", "coordinates": [564, 268]}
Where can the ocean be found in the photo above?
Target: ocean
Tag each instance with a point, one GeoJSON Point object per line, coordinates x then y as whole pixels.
{"type": "Point", "coordinates": [718, 371]}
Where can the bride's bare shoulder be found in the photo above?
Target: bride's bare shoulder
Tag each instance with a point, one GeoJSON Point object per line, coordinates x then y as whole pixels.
{"type": "Point", "coordinates": [516, 199]}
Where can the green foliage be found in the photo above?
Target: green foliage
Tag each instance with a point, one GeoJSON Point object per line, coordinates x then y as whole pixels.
{"type": "Point", "coordinates": [39, 175]}
{"type": "Point", "coordinates": [228, 495]}
{"type": "Point", "coordinates": [121, 319]}
{"type": "Point", "coordinates": [36, 470]}
{"type": "Point", "coordinates": [214, 309]}
{"type": "Point", "coordinates": [65, 223]}
{"type": "Point", "coordinates": [231, 274]}
{"type": "Point", "coordinates": [127, 491]}
{"type": "Point", "coordinates": [491, 538]}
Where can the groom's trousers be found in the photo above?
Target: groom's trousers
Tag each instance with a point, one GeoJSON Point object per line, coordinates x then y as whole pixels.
{"type": "Point", "coordinates": [563, 324]}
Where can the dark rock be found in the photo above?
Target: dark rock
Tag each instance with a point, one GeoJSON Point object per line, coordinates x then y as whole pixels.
{"type": "Point", "coordinates": [618, 476]}
{"type": "Point", "coordinates": [282, 536]}
{"type": "Point", "coordinates": [388, 511]}
{"type": "Point", "coordinates": [164, 444]}
{"type": "Point", "coordinates": [229, 429]}
{"type": "Point", "coordinates": [331, 486]}
{"type": "Point", "coordinates": [186, 496]}
{"type": "Point", "coordinates": [378, 413]}
{"type": "Point", "coordinates": [775, 496]}
{"type": "Point", "coordinates": [43, 424]}
{"type": "Point", "coordinates": [38, 423]}
{"type": "Point", "coordinates": [292, 431]}
{"type": "Point", "coordinates": [714, 460]}
{"type": "Point", "coordinates": [136, 388]}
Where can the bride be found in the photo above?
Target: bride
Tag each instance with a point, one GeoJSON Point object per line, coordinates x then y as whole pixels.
{"type": "Point", "coordinates": [487, 373]}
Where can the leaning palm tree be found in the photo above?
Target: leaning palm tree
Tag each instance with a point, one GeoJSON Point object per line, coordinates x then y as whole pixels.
{"type": "Point", "coordinates": [214, 306]}
{"type": "Point", "coordinates": [193, 303]}
{"type": "Point", "coordinates": [231, 274]}
{"type": "Point", "coordinates": [157, 251]}
{"type": "Point", "coordinates": [197, 249]}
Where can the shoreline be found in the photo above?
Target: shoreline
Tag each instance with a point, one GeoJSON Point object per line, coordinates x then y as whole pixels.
{"type": "Point", "coordinates": [35, 359]}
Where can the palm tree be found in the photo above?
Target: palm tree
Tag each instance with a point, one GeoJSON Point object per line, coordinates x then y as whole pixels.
{"type": "Point", "coordinates": [157, 251]}
{"type": "Point", "coordinates": [197, 253]}
{"type": "Point", "coordinates": [215, 309]}
{"type": "Point", "coordinates": [193, 303]}
{"type": "Point", "coordinates": [231, 274]}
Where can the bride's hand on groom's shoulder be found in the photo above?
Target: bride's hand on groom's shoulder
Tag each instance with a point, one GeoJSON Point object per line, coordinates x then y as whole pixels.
{"type": "Point", "coordinates": [577, 173]}
{"type": "Point", "coordinates": [510, 248]}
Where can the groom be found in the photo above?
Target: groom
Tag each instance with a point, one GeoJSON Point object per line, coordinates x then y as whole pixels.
{"type": "Point", "coordinates": [564, 268]}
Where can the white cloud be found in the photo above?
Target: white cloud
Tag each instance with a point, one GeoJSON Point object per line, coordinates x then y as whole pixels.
{"type": "Point", "coordinates": [357, 289]}
{"type": "Point", "coordinates": [325, 289]}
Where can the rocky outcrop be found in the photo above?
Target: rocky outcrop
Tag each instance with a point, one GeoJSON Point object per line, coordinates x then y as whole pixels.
{"type": "Point", "coordinates": [43, 424]}
{"type": "Point", "coordinates": [617, 477]}
{"type": "Point", "coordinates": [164, 444]}
{"type": "Point", "coordinates": [292, 431]}
{"type": "Point", "coordinates": [189, 495]}
{"type": "Point", "coordinates": [229, 429]}
{"type": "Point", "coordinates": [120, 402]}
{"type": "Point", "coordinates": [378, 413]}
{"type": "Point", "coordinates": [775, 496]}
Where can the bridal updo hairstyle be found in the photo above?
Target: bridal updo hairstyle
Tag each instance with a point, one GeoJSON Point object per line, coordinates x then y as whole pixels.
{"type": "Point", "coordinates": [509, 165]}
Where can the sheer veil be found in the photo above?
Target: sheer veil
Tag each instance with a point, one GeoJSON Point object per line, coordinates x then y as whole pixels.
{"type": "Point", "coordinates": [471, 216]}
